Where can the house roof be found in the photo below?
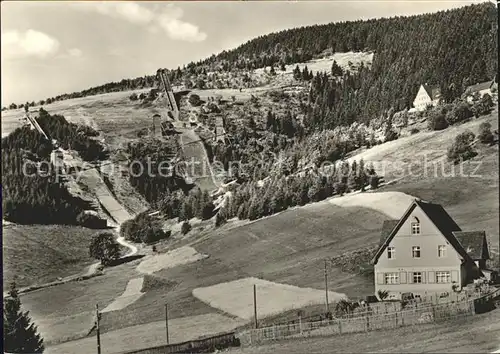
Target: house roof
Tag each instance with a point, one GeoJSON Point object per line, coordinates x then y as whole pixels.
{"type": "Point", "coordinates": [474, 243]}
{"type": "Point", "coordinates": [438, 216]}
{"type": "Point", "coordinates": [387, 227]}
{"type": "Point", "coordinates": [434, 92]}
{"type": "Point", "coordinates": [479, 87]}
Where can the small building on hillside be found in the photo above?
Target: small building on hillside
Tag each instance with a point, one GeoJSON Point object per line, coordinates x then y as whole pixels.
{"type": "Point", "coordinates": [481, 89]}
{"type": "Point", "coordinates": [426, 96]}
{"type": "Point", "coordinates": [220, 132]}
{"type": "Point", "coordinates": [426, 252]}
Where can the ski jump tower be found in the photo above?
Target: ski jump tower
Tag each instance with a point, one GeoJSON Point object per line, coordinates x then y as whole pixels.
{"type": "Point", "coordinates": [171, 103]}
{"type": "Point", "coordinates": [56, 156]}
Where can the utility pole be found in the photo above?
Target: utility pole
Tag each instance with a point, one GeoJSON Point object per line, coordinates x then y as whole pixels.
{"type": "Point", "coordinates": [97, 316]}
{"type": "Point", "coordinates": [255, 305]}
{"type": "Point", "coordinates": [326, 289]}
{"type": "Point", "coordinates": [166, 321]}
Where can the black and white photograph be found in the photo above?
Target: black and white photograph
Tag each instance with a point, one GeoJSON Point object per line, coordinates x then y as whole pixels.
{"type": "Point", "coordinates": [250, 177]}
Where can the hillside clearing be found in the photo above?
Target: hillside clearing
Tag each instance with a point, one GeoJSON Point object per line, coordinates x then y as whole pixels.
{"type": "Point", "coordinates": [325, 64]}
{"type": "Point", "coordinates": [173, 258]}
{"type": "Point", "coordinates": [66, 311]}
{"type": "Point", "coordinates": [236, 297]}
{"type": "Point", "coordinates": [393, 204]}
{"type": "Point", "coordinates": [409, 156]}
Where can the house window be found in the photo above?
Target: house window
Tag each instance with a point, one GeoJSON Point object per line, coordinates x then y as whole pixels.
{"type": "Point", "coordinates": [415, 250]}
{"type": "Point", "coordinates": [441, 251]}
{"type": "Point", "coordinates": [417, 277]}
{"type": "Point", "coordinates": [443, 277]}
{"type": "Point", "coordinates": [392, 278]}
{"type": "Point", "coordinates": [415, 228]}
{"type": "Point", "coordinates": [391, 252]}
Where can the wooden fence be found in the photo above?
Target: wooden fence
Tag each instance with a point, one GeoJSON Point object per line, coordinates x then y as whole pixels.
{"type": "Point", "coordinates": [368, 321]}
{"type": "Point", "coordinates": [204, 345]}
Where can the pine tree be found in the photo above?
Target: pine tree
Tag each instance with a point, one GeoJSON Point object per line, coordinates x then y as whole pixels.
{"type": "Point", "coordinates": [297, 75]}
{"type": "Point", "coordinates": [19, 333]}
{"type": "Point", "coordinates": [336, 69]}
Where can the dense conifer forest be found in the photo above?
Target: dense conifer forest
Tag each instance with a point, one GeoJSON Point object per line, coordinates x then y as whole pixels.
{"type": "Point", "coordinates": [32, 193]}
{"type": "Point", "coordinates": [450, 49]}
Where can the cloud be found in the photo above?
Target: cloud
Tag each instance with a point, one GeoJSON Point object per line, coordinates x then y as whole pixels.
{"type": "Point", "coordinates": [169, 20]}
{"type": "Point", "coordinates": [31, 43]}
{"type": "Point", "coordinates": [75, 52]}
{"type": "Point", "coordinates": [128, 11]}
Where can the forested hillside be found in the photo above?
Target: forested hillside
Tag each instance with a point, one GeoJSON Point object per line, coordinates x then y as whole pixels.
{"type": "Point", "coordinates": [451, 49]}
{"type": "Point", "coordinates": [31, 191]}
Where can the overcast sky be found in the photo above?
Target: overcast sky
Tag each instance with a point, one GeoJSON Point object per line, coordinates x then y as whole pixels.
{"type": "Point", "coordinates": [49, 48]}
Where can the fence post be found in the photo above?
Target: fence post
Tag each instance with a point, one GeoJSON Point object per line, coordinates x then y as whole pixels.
{"type": "Point", "coordinates": [340, 326]}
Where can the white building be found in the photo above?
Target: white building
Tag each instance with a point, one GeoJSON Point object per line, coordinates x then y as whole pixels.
{"type": "Point", "coordinates": [426, 96]}
{"type": "Point", "coordinates": [480, 89]}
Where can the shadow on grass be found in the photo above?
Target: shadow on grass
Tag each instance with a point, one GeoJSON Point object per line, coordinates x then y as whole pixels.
{"type": "Point", "coordinates": [125, 260]}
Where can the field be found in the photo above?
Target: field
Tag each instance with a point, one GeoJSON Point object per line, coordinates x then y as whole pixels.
{"type": "Point", "coordinates": [173, 258]}
{"type": "Point", "coordinates": [426, 151]}
{"type": "Point", "coordinates": [66, 311]}
{"type": "Point", "coordinates": [152, 334]}
{"type": "Point", "coordinates": [478, 334]}
{"type": "Point", "coordinates": [325, 64]}
{"type": "Point", "coordinates": [265, 249]}
{"type": "Point", "coordinates": [52, 251]}
{"type": "Point", "coordinates": [131, 294]}
{"type": "Point", "coordinates": [236, 297]}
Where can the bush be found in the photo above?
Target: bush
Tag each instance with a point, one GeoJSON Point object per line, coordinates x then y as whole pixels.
{"type": "Point", "coordinates": [143, 228]}
{"type": "Point", "coordinates": [437, 120]}
{"type": "Point", "coordinates": [340, 188]}
{"type": "Point", "coordinates": [194, 100]}
{"type": "Point", "coordinates": [186, 227]}
{"type": "Point", "coordinates": [374, 181]}
{"type": "Point", "coordinates": [414, 131]}
{"type": "Point", "coordinates": [461, 150]}
{"type": "Point", "coordinates": [485, 135]}
{"type": "Point", "coordinates": [104, 248]}
{"type": "Point", "coordinates": [390, 135]}
{"type": "Point", "coordinates": [483, 106]}
{"type": "Point", "coordinates": [133, 97]}
{"type": "Point", "coordinates": [90, 220]}
{"type": "Point", "coordinates": [459, 113]}
{"type": "Point", "coordinates": [220, 218]}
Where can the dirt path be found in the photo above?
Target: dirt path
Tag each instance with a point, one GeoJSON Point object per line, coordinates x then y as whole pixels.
{"type": "Point", "coordinates": [199, 167]}
{"type": "Point", "coordinates": [131, 294]}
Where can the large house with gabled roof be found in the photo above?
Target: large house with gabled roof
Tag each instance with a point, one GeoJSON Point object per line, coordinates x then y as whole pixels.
{"type": "Point", "coordinates": [426, 96]}
{"type": "Point", "coordinates": [426, 252]}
